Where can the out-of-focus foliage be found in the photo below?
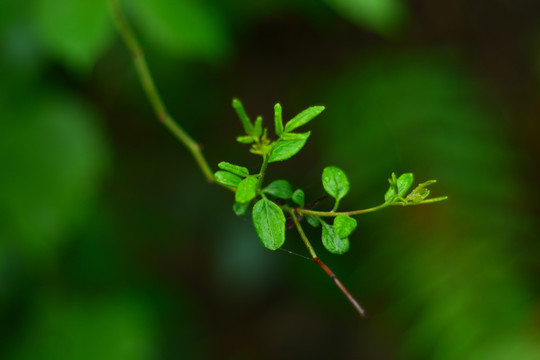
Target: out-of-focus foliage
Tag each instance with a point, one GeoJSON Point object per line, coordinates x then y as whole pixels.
{"type": "Point", "coordinates": [105, 329]}
{"type": "Point", "coordinates": [52, 155]}
{"type": "Point", "coordinates": [192, 29]}
{"type": "Point", "coordinates": [421, 113]}
{"type": "Point", "coordinates": [76, 32]}
{"type": "Point", "coordinates": [382, 16]}
{"type": "Point", "coordinates": [112, 246]}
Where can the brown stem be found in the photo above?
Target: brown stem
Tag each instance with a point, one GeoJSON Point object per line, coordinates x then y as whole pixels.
{"type": "Point", "coordinates": [325, 268]}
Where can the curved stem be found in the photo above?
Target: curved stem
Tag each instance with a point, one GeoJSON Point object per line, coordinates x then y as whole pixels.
{"type": "Point", "coordinates": [336, 213]}
{"type": "Point", "coordinates": [325, 268]}
{"type": "Point", "coordinates": [147, 83]}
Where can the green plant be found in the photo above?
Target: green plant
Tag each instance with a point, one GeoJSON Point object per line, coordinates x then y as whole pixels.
{"type": "Point", "coordinates": [271, 203]}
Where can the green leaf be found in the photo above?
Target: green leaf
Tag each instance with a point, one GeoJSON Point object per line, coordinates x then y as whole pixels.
{"type": "Point", "coordinates": [110, 323]}
{"type": "Point", "coordinates": [343, 226]}
{"type": "Point", "coordinates": [246, 123]}
{"type": "Point", "coordinates": [312, 220]}
{"type": "Point", "coordinates": [286, 149]}
{"type": "Point", "coordinates": [226, 178]}
{"type": "Point", "coordinates": [53, 158]}
{"type": "Point", "coordinates": [420, 192]}
{"type": "Point", "coordinates": [245, 139]}
{"type": "Point", "coordinates": [246, 190]}
{"type": "Point", "coordinates": [240, 208]}
{"type": "Point", "coordinates": [279, 188]}
{"type": "Point", "coordinates": [335, 182]}
{"type": "Point", "coordinates": [77, 32]}
{"type": "Point", "coordinates": [257, 131]}
{"type": "Point", "coordinates": [303, 118]}
{"type": "Point", "coordinates": [278, 120]}
{"type": "Point", "coordinates": [292, 136]}
{"type": "Point", "coordinates": [332, 242]}
{"type": "Point", "coordinates": [404, 183]}
{"type": "Point", "coordinates": [235, 169]}
{"type": "Point", "coordinates": [298, 197]}
{"type": "Point", "coordinates": [269, 223]}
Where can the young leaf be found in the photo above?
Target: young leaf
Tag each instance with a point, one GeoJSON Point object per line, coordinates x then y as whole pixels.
{"type": "Point", "coordinates": [226, 178]}
{"type": "Point", "coordinates": [257, 130]}
{"type": "Point", "coordinates": [303, 118]}
{"type": "Point", "coordinates": [240, 208]}
{"type": "Point", "coordinates": [404, 182]}
{"type": "Point", "coordinates": [239, 108]}
{"type": "Point", "coordinates": [298, 197]}
{"type": "Point", "coordinates": [292, 136]}
{"type": "Point", "coordinates": [420, 192]}
{"type": "Point", "coordinates": [246, 190]}
{"type": "Point", "coordinates": [269, 223]}
{"type": "Point", "coordinates": [278, 120]}
{"type": "Point", "coordinates": [343, 226]}
{"type": "Point", "coordinates": [286, 149]}
{"type": "Point", "coordinates": [312, 220]}
{"type": "Point", "coordinates": [235, 169]}
{"type": "Point", "coordinates": [335, 182]}
{"type": "Point", "coordinates": [245, 139]}
{"type": "Point", "coordinates": [280, 188]}
{"type": "Point", "coordinates": [332, 242]}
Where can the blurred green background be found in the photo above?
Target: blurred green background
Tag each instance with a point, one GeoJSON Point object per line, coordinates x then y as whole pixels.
{"type": "Point", "coordinates": [112, 245]}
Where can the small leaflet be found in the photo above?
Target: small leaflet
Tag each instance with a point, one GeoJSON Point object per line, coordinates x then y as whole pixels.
{"type": "Point", "coordinates": [404, 183]}
{"type": "Point", "coordinates": [335, 182]}
{"type": "Point", "coordinates": [286, 149]}
{"type": "Point", "coordinates": [226, 178]}
{"type": "Point", "coordinates": [344, 225]}
{"type": "Point", "coordinates": [246, 190]}
{"type": "Point", "coordinates": [303, 118]}
{"type": "Point", "coordinates": [298, 197]}
{"type": "Point", "coordinates": [332, 242]}
{"type": "Point", "coordinates": [269, 222]}
{"type": "Point", "coordinates": [279, 188]}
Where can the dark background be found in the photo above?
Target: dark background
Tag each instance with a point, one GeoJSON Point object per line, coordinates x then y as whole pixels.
{"type": "Point", "coordinates": [113, 246]}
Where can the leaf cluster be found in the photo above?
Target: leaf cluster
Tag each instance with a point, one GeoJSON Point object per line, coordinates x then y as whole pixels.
{"type": "Point", "coordinates": [272, 201]}
{"type": "Point", "coordinates": [397, 192]}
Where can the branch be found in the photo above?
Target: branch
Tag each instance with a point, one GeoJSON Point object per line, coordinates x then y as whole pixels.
{"type": "Point", "coordinates": [363, 211]}
{"type": "Point", "coordinates": [325, 268]}
{"type": "Point", "coordinates": [152, 93]}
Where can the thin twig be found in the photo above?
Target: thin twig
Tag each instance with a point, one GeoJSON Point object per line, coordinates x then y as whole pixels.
{"type": "Point", "coordinates": [336, 213]}
{"type": "Point", "coordinates": [325, 268]}
{"type": "Point", "coordinates": [364, 211]}
{"type": "Point", "coordinates": [147, 82]}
